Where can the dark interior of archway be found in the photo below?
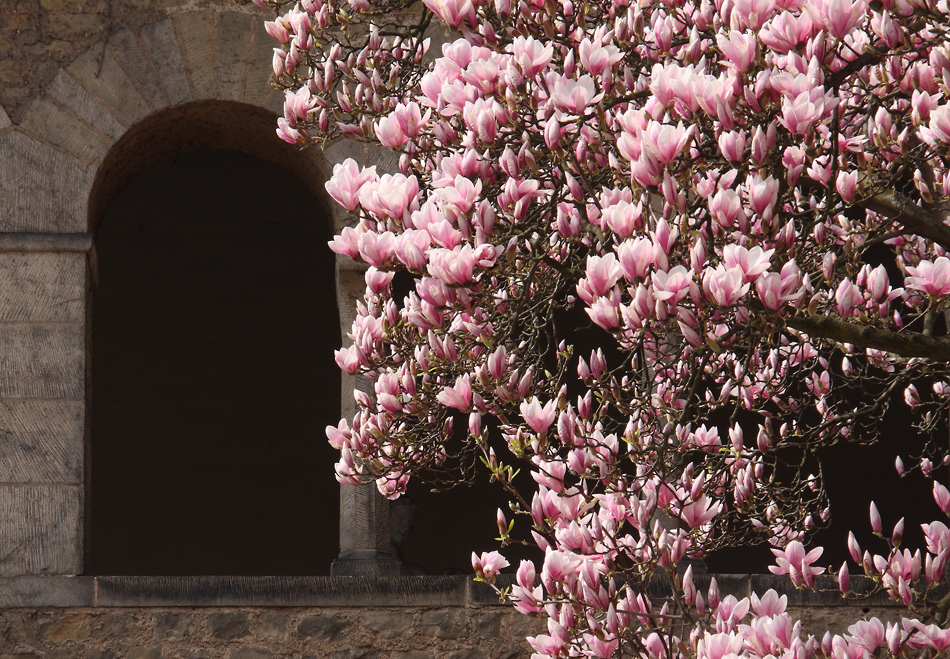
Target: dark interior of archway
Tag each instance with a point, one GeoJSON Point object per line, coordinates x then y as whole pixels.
{"type": "Point", "coordinates": [213, 328]}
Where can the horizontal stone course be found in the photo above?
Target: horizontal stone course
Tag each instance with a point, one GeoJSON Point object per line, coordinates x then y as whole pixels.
{"type": "Point", "coordinates": [42, 287]}
{"type": "Point", "coordinates": [42, 530]}
{"type": "Point", "coordinates": [42, 360]}
{"type": "Point", "coordinates": [43, 189]}
{"type": "Point", "coordinates": [41, 441]}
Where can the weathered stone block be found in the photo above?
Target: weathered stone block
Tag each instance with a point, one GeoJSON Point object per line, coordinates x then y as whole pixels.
{"type": "Point", "coordinates": [70, 93]}
{"type": "Point", "coordinates": [252, 653]}
{"type": "Point", "coordinates": [42, 361]}
{"type": "Point", "coordinates": [197, 38]}
{"type": "Point", "coordinates": [386, 624]}
{"type": "Point", "coordinates": [257, 81]}
{"type": "Point", "coordinates": [194, 654]}
{"type": "Point", "coordinates": [273, 625]}
{"type": "Point", "coordinates": [523, 626]}
{"type": "Point", "coordinates": [129, 52]}
{"type": "Point", "coordinates": [22, 591]}
{"type": "Point", "coordinates": [52, 123]}
{"type": "Point", "coordinates": [43, 287]}
{"type": "Point", "coordinates": [145, 653]}
{"type": "Point", "coordinates": [465, 654]}
{"type": "Point", "coordinates": [444, 624]}
{"type": "Point", "coordinates": [322, 627]}
{"type": "Point", "coordinates": [161, 40]}
{"type": "Point", "coordinates": [489, 624]}
{"type": "Point", "coordinates": [234, 34]}
{"type": "Point", "coordinates": [43, 189]}
{"type": "Point", "coordinates": [354, 653]}
{"type": "Point", "coordinates": [229, 625]}
{"type": "Point", "coordinates": [119, 624]}
{"type": "Point", "coordinates": [41, 441]}
{"type": "Point", "coordinates": [42, 529]}
{"type": "Point", "coordinates": [4, 119]}
{"type": "Point", "coordinates": [64, 628]}
{"type": "Point", "coordinates": [99, 72]}
{"type": "Point", "coordinates": [171, 625]}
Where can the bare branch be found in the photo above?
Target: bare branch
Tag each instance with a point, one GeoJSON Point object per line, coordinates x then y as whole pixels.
{"type": "Point", "coordinates": [925, 223]}
{"type": "Point", "coordinates": [863, 336]}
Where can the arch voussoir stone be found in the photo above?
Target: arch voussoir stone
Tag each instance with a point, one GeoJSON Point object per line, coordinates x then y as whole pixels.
{"type": "Point", "coordinates": [53, 123]}
{"type": "Point", "coordinates": [234, 35]}
{"type": "Point", "coordinates": [161, 41]}
{"type": "Point", "coordinates": [196, 31]}
{"type": "Point", "coordinates": [257, 83]}
{"type": "Point", "coordinates": [99, 72]}
{"type": "Point", "coordinates": [68, 92]}
{"type": "Point", "coordinates": [43, 188]}
{"type": "Point", "coordinates": [125, 46]}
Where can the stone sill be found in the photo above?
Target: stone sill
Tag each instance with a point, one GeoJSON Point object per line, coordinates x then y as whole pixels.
{"type": "Point", "coordinates": [339, 591]}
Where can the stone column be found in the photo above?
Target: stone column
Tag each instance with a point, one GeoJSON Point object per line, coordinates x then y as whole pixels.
{"type": "Point", "coordinates": [364, 512]}
{"type": "Point", "coordinates": [42, 402]}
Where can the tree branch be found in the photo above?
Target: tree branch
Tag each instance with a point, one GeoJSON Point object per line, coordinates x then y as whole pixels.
{"type": "Point", "coordinates": [903, 210]}
{"type": "Point", "coordinates": [863, 336]}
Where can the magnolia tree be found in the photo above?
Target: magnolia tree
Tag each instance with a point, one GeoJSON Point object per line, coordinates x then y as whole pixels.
{"type": "Point", "coordinates": [745, 201]}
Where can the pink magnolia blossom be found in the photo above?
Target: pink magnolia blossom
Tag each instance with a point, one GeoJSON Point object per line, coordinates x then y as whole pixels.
{"type": "Point", "coordinates": [796, 563]}
{"type": "Point", "coordinates": [931, 277]}
{"type": "Point", "coordinates": [539, 417]}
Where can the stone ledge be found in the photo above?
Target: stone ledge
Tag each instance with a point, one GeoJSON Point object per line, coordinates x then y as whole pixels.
{"type": "Point", "coordinates": [28, 591]}
{"type": "Point", "coordinates": [45, 242]}
{"type": "Point", "coordinates": [427, 591]}
{"type": "Point", "coordinates": [281, 591]}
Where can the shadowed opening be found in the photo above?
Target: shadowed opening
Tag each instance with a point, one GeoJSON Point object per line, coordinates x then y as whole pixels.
{"type": "Point", "coordinates": [212, 376]}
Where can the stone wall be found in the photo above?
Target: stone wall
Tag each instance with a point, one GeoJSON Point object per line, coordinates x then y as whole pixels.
{"type": "Point", "coordinates": [446, 617]}
{"type": "Point", "coordinates": [263, 633]}
{"type": "Point", "coordinates": [257, 618]}
{"type": "Point", "coordinates": [39, 37]}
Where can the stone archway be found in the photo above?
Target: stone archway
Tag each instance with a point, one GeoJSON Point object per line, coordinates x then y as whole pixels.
{"type": "Point", "coordinates": [212, 372]}
{"type": "Point", "coordinates": [195, 79]}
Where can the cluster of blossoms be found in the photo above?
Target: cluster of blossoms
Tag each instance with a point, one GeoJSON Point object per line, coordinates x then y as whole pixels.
{"type": "Point", "coordinates": [662, 253]}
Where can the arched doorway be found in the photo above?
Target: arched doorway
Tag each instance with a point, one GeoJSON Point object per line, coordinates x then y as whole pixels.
{"type": "Point", "coordinates": [212, 377]}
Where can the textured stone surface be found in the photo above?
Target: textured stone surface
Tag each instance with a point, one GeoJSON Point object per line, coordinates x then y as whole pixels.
{"type": "Point", "coordinates": [354, 653]}
{"type": "Point", "coordinates": [327, 626]}
{"type": "Point", "coordinates": [145, 653]}
{"type": "Point", "coordinates": [70, 93]}
{"type": "Point", "coordinates": [4, 119]}
{"type": "Point", "coordinates": [99, 72]}
{"type": "Point", "coordinates": [233, 39]}
{"type": "Point", "coordinates": [251, 653]}
{"type": "Point", "coordinates": [259, 65]}
{"type": "Point", "coordinates": [42, 361]}
{"type": "Point", "coordinates": [56, 125]}
{"type": "Point", "coordinates": [171, 625]}
{"type": "Point", "coordinates": [42, 529]}
{"type": "Point", "coordinates": [41, 441]}
{"type": "Point", "coordinates": [196, 30]}
{"type": "Point", "coordinates": [119, 624]}
{"type": "Point", "coordinates": [387, 624]}
{"type": "Point", "coordinates": [43, 287]}
{"type": "Point", "coordinates": [43, 189]}
{"type": "Point", "coordinates": [61, 628]}
{"type": "Point", "coordinates": [344, 592]}
{"type": "Point", "coordinates": [228, 626]}
{"type": "Point", "coordinates": [273, 625]}
{"type": "Point", "coordinates": [128, 51]}
{"type": "Point", "coordinates": [161, 40]}
{"type": "Point", "coordinates": [26, 590]}
{"type": "Point", "coordinates": [444, 624]}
